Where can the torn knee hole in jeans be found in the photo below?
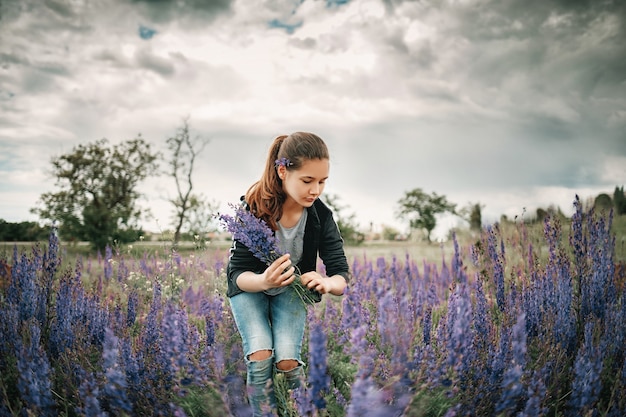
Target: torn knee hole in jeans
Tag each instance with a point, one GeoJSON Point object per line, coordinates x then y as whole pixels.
{"type": "Point", "coordinates": [260, 355]}
{"type": "Point", "coordinates": [287, 365]}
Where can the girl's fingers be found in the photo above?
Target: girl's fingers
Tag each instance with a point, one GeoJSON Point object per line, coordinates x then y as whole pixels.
{"type": "Point", "coordinates": [288, 280]}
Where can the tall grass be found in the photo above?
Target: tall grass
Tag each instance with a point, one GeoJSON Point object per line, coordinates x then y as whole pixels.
{"type": "Point", "coordinates": [505, 323]}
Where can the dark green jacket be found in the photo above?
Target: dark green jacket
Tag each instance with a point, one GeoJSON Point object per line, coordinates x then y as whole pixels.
{"type": "Point", "coordinates": [321, 237]}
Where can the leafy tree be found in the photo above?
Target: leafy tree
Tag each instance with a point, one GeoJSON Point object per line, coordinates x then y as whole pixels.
{"type": "Point", "coordinates": [541, 214]}
{"type": "Point", "coordinates": [472, 213]}
{"type": "Point", "coordinates": [421, 209]}
{"type": "Point", "coordinates": [184, 151]}
{"type": "Point", "coordinates": [619, 200]}
{"type": "Point", "coordinates": [98, 191]}
{"type": "Point", "coordinates": [346, 223]}
{"type": "Point", "coordinates": [603, 202]}
{"type": "Point", "coordinates": [391, 233]}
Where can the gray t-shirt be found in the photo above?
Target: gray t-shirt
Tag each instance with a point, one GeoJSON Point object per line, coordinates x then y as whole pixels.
{"type": "Point", "coordinates": [291, 241]}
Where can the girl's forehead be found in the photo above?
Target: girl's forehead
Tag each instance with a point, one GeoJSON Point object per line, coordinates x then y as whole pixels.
{"type": "Point", "coordinates": [315, 166]}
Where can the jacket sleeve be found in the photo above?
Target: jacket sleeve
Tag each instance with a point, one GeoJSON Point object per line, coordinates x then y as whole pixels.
{"type": "Point", "coordinates": [331, 250]}
{"type": "Point", "coordinates": [241, 260]}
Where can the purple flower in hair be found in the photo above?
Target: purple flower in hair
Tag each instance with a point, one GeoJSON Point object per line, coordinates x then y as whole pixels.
{"type": "Point", "coordinates": [282, 162]}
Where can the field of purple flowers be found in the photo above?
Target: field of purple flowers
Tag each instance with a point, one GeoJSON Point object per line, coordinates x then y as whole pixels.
{"type": "Point", "coordinates": [505, 327]}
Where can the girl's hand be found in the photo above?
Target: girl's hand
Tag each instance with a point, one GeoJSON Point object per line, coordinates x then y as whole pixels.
{"type": "Point", "coordinates": [280, 273]}
{"type": "Point", "coordinates": [314, 281]}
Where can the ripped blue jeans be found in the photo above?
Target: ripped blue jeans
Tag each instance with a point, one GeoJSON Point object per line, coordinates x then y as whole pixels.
{"type": "Point", "coordinates": [275, 324]}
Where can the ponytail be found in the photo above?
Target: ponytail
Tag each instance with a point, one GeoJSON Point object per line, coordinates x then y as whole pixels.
{"type": "Point", "coordinates": [266, 196]}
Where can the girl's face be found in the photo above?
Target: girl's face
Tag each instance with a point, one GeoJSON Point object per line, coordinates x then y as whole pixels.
{"type": "Point", "coordinates": [306, 184]}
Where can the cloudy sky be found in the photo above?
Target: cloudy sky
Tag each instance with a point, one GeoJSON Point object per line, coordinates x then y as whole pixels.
{"type": "Point", "coordinates": [512, 104]}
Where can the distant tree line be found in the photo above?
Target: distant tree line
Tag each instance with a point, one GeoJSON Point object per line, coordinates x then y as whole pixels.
{"type": "Point", "coordinates": [22, 232]}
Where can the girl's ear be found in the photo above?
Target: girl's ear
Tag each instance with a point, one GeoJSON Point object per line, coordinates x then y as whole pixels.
{"type": "Point", "coordinates": [281, 169]}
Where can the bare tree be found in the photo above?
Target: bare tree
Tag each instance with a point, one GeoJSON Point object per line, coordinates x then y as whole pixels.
{"type": "Point", "coordinates": [184, 151]}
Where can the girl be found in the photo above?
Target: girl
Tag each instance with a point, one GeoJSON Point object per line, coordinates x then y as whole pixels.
{"type": "Point", "coordinates": [268, 312]}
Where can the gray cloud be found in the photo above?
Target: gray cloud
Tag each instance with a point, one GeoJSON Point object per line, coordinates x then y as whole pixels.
{"type": "Point", "coordinates": [479, 100]}
{"type": "Point", "coordinates": [147, 59]}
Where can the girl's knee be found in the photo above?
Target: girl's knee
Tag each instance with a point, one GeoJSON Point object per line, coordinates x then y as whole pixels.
{"type": "Point", "coordinates": [287, 364]}
{"type": "Point", "coordinates": [260, 355]}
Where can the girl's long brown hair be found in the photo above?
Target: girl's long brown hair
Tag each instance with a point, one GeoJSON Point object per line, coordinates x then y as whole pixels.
{"type": "Point", "coordinates": [266, 196]}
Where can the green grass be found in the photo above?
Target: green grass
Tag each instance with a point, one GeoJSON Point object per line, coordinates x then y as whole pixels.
{"type": "Point", "coordinates": [430, 252]}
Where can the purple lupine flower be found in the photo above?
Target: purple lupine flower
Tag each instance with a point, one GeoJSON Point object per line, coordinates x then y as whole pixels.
{"type": "Point", "coordinates": [565, 323]}
{"type": "Point", "coordinates": [122, 270]}
{"type": "Point", "coordinates": [359, 345]}
{"type": "Point", "coordinates": [115, 379]}
{"type": "Point", "coordinates": [97, 318]}
{"type": "Point", "coordinates": [512, 387]}
{"type": "Point", "coordinates": [536, 393]}
{"type": "Point", "coordinates": [366, 400]}
{"type": "Point", "coordinates": [532, 303]}
{"type": "Point", "coordinates": [387, 316]}
{"type": "Point", "coordinates": [108, 263]}
{"type": "Point", "coordinates": [578, 241]}
{"type": "Point", "coordinates": [212, 309]}
{"type": "Point", "coordinates": [458, 342]}
{"type": "Point", "coordinates": [130, 364]}
{"type": "Point", "coordinates": [427, 324]}
{"type": "Point", "coordinates": [331, 322]}
{"type": "Point", "coordinates": [319, 380]}
{"type": "Point", "coordinates": [614, 336]}
{"type": "Point", "coordinates": [131, 308]}
{"type": "Point", "coordinates": [498, 359]}
{"type": "Point", "coordinates": [27, 287]}
{"type": "Point", "coordinates": [304, 402]}
{"type": "Point", "coordinates": [457, 262]}
{"type": "Point", "coordinates": [50, 263]}
{"type": "Point", "coordinates": [51, 258]}
{"type": "Point", "coordinates": [174, 341]}
{"type": "Point", "coordinates": [144, 267]}
{"type": "Point", "coordinates": [601, 286]}
{"type": "Point", "coordinates": [88, 392]}
{"type": "Point", "coordinates": [481, 318]}
{"type": "Point", "coordinates": [12, 295]}
{"type": "Point", "coordinates": [34, 370]}
{"type": "Point", "coordinates": [586, 385]}
{"type": "Point", "coordinates": [253, 233]}
{"type": "Point", "coordinates": [151, 331]}
{"type": "Point", "coordinates": [339, 398]}
{"type": "Point", "coordinates": [62, 329]}
{"type": "Point", "coordinates": [9, 332]}
{"type": "Point", "coordinates": [497, 264]}
{"type": "Point", "coordinates": [118, 318]}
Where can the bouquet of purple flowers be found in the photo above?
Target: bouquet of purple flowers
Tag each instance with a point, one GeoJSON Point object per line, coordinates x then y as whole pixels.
{"type": "Point", "coordinates": [255, 234]}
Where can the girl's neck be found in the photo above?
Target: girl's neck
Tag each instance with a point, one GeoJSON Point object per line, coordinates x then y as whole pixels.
{"type": "Point", "coordinates": [292, 212]}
